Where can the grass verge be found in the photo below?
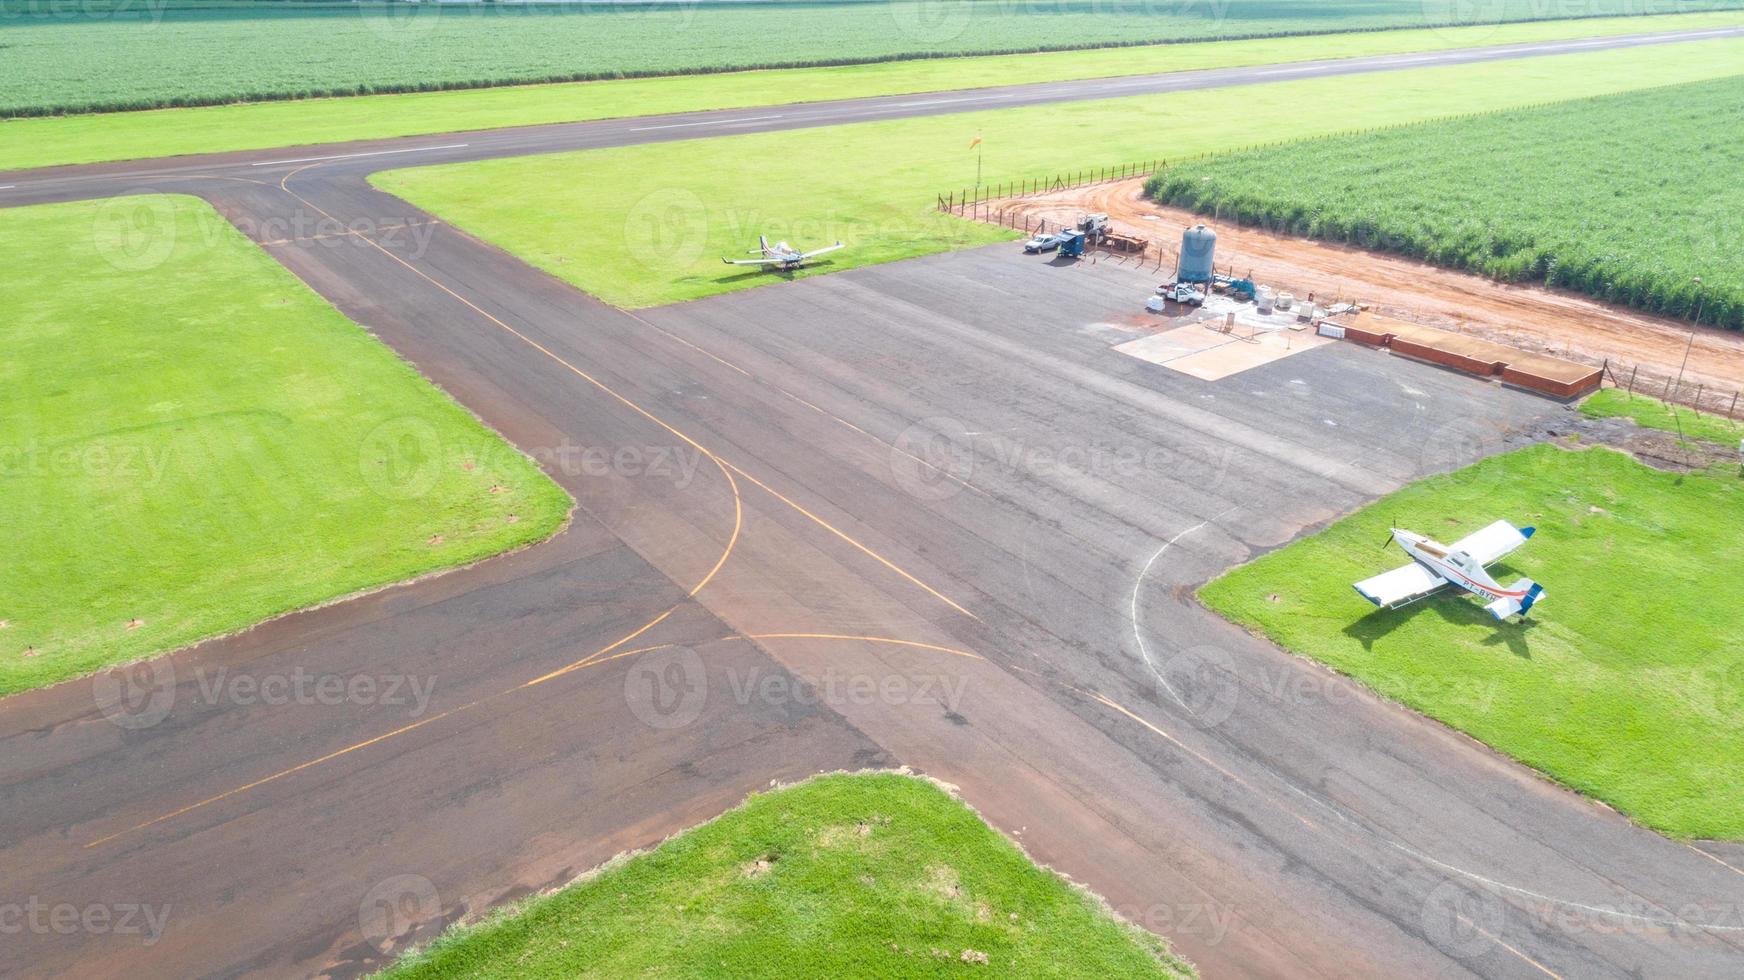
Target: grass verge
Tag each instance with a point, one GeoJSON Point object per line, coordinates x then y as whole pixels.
{"type": "Point", "coordinates": [842, 876]}
{"type": "Point", "coordinates": [53, 141]}
{"type": "Point", "coordinates": [643, 225]}
{"type": "Point", "coordinates": [191, 441]}
{"type": "Point", "coordinates": [1627, 683]}
{"type": "Point", "coordinates": [1652, 413]}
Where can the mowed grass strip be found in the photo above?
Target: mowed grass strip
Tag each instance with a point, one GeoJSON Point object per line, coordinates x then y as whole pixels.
{"type": "Point", "coordinates": [876, 875]}
{"type": "Point", "coordinates": [191, 441]}
{"type": "Point", "coordinates": [1627, 682]}
{"type": "Point", "coordinates": [1652, 413]}
{"type": "Point", "coordinates": [52, 141]}
{"type": "Point", "coordinates": [644, 225]}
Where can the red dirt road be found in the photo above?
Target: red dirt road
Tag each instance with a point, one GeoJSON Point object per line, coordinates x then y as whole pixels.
{"type": "Point", "coordinates": [1527, 317]}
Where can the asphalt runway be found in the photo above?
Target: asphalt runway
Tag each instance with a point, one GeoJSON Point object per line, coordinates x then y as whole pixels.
{"type": "Point", "coordinates": [933, 520]}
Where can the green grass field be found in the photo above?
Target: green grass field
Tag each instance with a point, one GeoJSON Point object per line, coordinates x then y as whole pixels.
{"type": "Point", "coordinates": [51, 141]}
{"type": "Point", "coordinates": [842, 876]}
{"type": "Point", "coordinates": [1627, 197]}
{"type": "Point", "coordinates": [1655, 414]}
{"type": "Point", "coordinates": [191, 441]}
{"type": "Point", "coordinates": [1626, 684]}
{"type": "Point", "coordinates": [103, 57]}
{"type": "Point", "coordinates": [662, 215]}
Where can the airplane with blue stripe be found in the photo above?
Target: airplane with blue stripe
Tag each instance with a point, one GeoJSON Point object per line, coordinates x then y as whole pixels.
{"type": "Point", "coordinates": [1435, 566]}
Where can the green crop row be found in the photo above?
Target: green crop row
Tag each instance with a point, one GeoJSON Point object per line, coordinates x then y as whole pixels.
{"type": "Point", "coordinates": [1628, 198]}
{"type": "Point", "coordinates": [110, 55]}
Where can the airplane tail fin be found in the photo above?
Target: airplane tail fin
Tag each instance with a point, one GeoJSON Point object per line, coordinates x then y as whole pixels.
{"type": "Point", "coordinates": [1509, 605]}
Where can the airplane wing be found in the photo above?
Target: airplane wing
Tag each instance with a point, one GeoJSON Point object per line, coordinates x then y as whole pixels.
{"type": "Point", "coordinates": [1493, 542]}
{"type": "Point", "coordinates": [763, 261]}
{"type": "Point", "coordinates": [831, 248]}
{"type": "Point", "coordinates": [1400, 585]}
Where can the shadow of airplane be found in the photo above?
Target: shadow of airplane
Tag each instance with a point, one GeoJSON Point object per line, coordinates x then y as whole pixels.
{"type": "Point", "coordinates": [765, 271]}
{"type": "Point", "coordinates": [1455, 607]}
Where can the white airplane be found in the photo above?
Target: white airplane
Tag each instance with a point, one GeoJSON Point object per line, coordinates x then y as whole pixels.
{"type": "Point", "coordinates": [1461, 564]}
{"type": "Point", "coordinates": [782, 256]}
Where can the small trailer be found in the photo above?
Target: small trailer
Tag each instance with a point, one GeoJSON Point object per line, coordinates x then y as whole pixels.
{"type": "Point", "coordinates": [1242, 289]}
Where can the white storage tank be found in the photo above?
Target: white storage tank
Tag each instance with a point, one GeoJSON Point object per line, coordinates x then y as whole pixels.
{"type": "Point", "coordinates": [1263, 299]}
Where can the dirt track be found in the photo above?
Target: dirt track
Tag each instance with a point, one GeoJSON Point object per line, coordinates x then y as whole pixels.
{"type": "Point", "coordinates": [1528, 317]}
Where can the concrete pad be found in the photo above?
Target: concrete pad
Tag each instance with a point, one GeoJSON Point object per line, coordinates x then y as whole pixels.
{"type": "Point", "coordinates": [1199, 351]}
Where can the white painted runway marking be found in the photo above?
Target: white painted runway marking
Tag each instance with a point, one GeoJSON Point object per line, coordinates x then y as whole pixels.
{"type": "Point", "coordinates": [372, 153]}
{"type": "Point", "coordinates": [8, 187]}
{"type": "Point", "coordinates": [712, 122]}
{"type": "Point", "coordinates": [1138, 629]}
{"type": "Point", "coordinates": [911, 105]}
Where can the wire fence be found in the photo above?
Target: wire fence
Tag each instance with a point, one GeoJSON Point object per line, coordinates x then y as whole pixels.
{"type": "Point", "coordinates": [1711, 399]}
{"type": "Point", "coordinates": [959, 202]}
